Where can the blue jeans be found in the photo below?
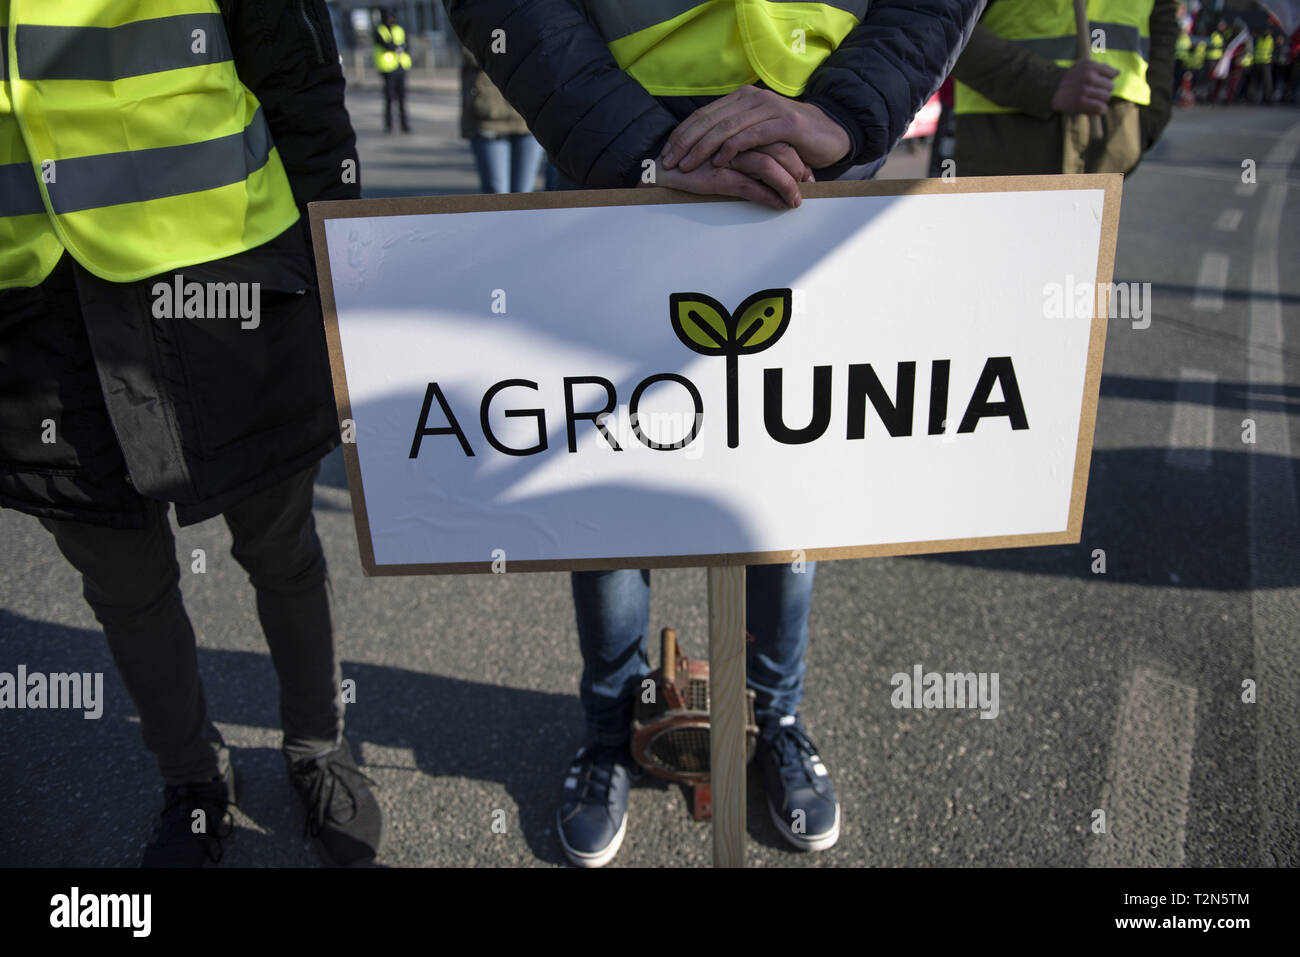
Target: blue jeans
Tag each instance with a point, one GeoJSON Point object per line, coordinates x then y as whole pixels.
{"type": "Point", "coordinates": [613, 609]}
{"type": "Point", "coordinates": [507, 164]}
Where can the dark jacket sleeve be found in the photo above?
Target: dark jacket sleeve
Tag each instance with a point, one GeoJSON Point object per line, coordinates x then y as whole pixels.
{"type": "Point", "coordinates": [1008, 74]}
{"type": "Point", "coordinates": [597, 123]}
{"type": "Point", "coordinates": [284, 51]}
{"type": "Point", "coordinates": [1164, 32]}
{"type": "Point", "coordinates": [885, 70]}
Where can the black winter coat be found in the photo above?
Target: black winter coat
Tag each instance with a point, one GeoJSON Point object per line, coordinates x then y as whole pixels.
{"type": "Point", "coordinates": [103, 406]}
{"type": "Point", "coordinates": [598, 124]}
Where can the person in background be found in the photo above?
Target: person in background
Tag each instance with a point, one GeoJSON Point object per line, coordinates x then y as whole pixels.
{"type": "Point", "coordinates": [1023, 103]}
{"type": "Point", "coordinates": [945, 133]}
{"type": "Point", "coordinates": [1263, 65]}
{"type": "Point", "coordinates": [1239, 73]}
{"type": "Point", "coordinates": [392, 60]}
{"type": "Point", "coordinates": [154, 398]}
{"type": "Point", "coordinates": [1218, 41]}
{"type": "Point", "coordinates": [506, 154]}
{"type": "Point", "coordinates": [1183, 52]}
{"type": "Point", "coordinates": [1196, 63]}
{"type": "Point", "coordinates": [1290, 68]}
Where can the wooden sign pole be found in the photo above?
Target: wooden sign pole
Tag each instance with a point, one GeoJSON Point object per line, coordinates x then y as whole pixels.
{"type": "Point", "coordinates": [1083, 53]}
{"type": "Point", "coordinates": [727, 713]}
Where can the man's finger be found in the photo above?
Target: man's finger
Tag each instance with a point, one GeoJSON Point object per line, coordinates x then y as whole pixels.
{"type": "Point", "coordinates": [735, 183]}
{"type": "Point", "coordinates": [725, 127]}
{"type": "Point", "coordinates": [766, 169]}
{"type": "Point", "coordinates": [1097, 106]}
{"type": "Point", "coordinates": [689, 130]}
{"type": "Point", "coordinates": [722, 182]}
{"type": "Point", "coordinates": [789, 157]}
{"type": "Point", "coordinates": [776, 129]}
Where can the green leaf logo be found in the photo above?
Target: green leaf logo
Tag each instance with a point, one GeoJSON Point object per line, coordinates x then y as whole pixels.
{"type": "Point", "coordinates": [705, 326]}
{"type": "Point", "coordinates": [701, 322]}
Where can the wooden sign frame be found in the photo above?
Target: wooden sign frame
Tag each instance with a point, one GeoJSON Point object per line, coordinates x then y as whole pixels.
{"type": "Point", "coordinates": [1110, 184]}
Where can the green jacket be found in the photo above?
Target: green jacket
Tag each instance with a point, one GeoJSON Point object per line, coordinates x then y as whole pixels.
{"type": "Point", "coordinates": [1038, 140]}
{"type": "Point", "coordinates": [483, 109]}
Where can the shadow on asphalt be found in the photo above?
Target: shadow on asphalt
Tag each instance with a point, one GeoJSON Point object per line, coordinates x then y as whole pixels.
{"type": "Point", "coordinates": [1232, 295]}
{"type": "Point", "coordinates": [1239, 396]}
{"type": "Point", "coordinates": [458, 729]}
{"type": "Point", "coordinates": [518, 738]}
{"type": "Point", "coordinates": [1159, 525]}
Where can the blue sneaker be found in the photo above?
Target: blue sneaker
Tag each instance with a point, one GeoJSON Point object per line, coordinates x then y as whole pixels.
{"type": "Point", "coordinates": [593, 811]}
{"type": "Point", "coordinates": [799, 793]}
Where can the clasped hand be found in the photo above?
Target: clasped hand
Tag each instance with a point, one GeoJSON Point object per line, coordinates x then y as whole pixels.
{"type": "Point", "coordinates": [753, 144]}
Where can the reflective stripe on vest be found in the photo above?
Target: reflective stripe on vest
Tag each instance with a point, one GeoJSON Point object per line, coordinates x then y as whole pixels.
{"type": "Point", "coordinates": [386, 61]}
{"type": "Point", "coordinates": [1047, 28]}
{"type": "Point", "coordinates": [689, 48]}
{"type": "Point", "coordinates": [132, 49]}
{"type": "Point", "coordinates": [127, 139]}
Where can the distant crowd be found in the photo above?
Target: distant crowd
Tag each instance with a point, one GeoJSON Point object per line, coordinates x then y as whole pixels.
{"type": "Point", "coordinates": [1219, 63]}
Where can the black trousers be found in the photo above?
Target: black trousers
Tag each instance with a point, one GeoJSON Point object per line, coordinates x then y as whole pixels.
{"type": "Point", "coordinates": [395, 90]}
{"type": "Point", "coordinates": [131, 580]}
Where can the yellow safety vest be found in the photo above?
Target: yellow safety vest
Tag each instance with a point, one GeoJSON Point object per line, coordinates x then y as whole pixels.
{"type": "Point", "coordinates": [1216, 46]}
{"type": "Point", "coordinates": [1047, 28]}
{"type": "Point", "coordinates": [720, 45]}
{"type": "Point", "coordinates": [1264, 49]}
{"type": "Point", "coordinates": [1183, 48]}
{"type": "Point", "coordinates": [386, 61]}
{"type": "Point", "coordinates": [1197, 59]}
{"type": "Point", "coordinates": [127, 138]}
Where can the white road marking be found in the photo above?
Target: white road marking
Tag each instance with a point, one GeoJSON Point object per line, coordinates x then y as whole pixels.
{"type": "Point", "coordinates": [1150, 775]}
{"type": "Point", "coordinates": [1229, 220]}
{"type": "Point", "coordinates": [1274, 518]}
{"type": "Point", "coordinates": [1210, 283]}
{"type": "Point", "coordinates": [1214, 173]}
{"type": "Point", "coordinates": [1191, 436]}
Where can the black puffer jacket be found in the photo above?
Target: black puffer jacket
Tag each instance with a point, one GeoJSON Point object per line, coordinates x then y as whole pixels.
{"type": "Point", "coordinates": [598, 124]}
{"type": "Point", "coordinates": [198, 412]}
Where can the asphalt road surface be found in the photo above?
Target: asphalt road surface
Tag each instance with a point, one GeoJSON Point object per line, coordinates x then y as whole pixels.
{"type": "Point", "coordinates": [1120, 692]}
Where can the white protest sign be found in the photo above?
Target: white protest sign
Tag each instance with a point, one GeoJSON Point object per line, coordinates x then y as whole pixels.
{"type": "Point", "coordinates": [631, 378]}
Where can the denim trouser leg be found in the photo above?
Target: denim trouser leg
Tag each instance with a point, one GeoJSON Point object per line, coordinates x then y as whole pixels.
{"type": "Point", "coordinates": [492, 157]}
{"type": "Point", "coordinates": [613, 611]}
{"type": "Point", "coordinates": [777, 601]}
{"type": "Point", "coordinates": [525, 160]}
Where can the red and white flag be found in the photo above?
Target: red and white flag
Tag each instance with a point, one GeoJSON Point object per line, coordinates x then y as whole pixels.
{"type": "Point", "coordinates": [1225, 62]}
